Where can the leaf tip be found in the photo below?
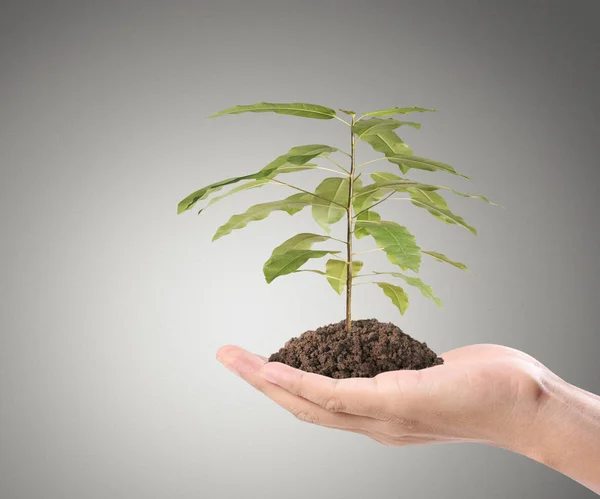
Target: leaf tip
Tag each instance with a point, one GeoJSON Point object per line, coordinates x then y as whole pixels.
{"type": "Point", "coordinates": [182, 206]}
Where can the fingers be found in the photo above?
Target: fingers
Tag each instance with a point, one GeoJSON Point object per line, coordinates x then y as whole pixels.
{"type": "Point", "coordinates": [357, 396]}
{"type": "Point", "coordinates": [248, 367]}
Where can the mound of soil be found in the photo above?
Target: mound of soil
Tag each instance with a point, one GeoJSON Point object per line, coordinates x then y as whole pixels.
{"type": "Point", "coordinates": [372, 348]}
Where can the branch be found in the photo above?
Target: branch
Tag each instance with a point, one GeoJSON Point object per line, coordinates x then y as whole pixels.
{"type": "Point", "coordinates": [371, 161]}
{"type": "Point", "coordinates": [343, 121]}
{"type": "Point", "coordinates": [308, 192]}
{"type": "Point", "coordinates": [378, 202]}
{"type": "Point", "coordinates": [368, 251]}
{"type": "Point", "coordinates": [332, 170]}
{"type": "Point", "coordinates": [338, 165]}
{"type": "Point", "coordinates": [320, 272]}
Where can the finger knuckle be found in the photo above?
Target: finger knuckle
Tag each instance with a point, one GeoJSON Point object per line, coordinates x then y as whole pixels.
{"type": "Point", "coordinates": [334, 404]}
{"type": "Point", "coordinates": [306, 416]}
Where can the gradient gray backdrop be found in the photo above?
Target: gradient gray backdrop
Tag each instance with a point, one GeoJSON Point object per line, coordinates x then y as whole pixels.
{"type": "Point", "coordinates": [112, 307]}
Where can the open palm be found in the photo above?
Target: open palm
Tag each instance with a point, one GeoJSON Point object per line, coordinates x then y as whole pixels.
{"type": "Point", "coordinates": [476, 395]}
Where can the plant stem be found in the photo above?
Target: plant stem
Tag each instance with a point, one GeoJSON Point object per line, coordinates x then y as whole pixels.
{"type": "Point", "coordinates": [338, 165]}
{"type": "Point", "coordinates": [331, 170]}
{"type": "Point", "coordinates": [349, 234]}
{"type": "Point", "coordinates": [375, 204]}
{"type": "Point", "coordinates": [371, 161]}
{"type": "Point", "coordinates": [341, 206]}
{"type": "Point", "coordinates": [368, 251]}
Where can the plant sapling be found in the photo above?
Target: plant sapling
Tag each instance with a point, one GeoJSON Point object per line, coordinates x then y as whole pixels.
{"type": "Point", "coordinates": [349, 348]}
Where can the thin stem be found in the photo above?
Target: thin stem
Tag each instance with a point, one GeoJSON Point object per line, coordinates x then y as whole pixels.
{"type": "Point", "coordinates": [308, 192]}
{"type": "Point", "coordinates": [370, 161]}
{"type": "Point", "coordinates": [331, 170]}
{"type": "Point", "coordinates": [343, 121]}
{"type": "Point", "coordinates": [338, 165]}
{"type": "Point", "coordinates": [333, 255]}
{"type": "Point", "coordinates": [375, 204]}
{"type": "Point", "coordinates": [370, 275]}
{"type": "Point", "coordinates": [349, 232]}
{"type": "Point", "coordinates": [368, 251]}
{"type": "Point", "coordinates": [336, 239]}
{"type": "Point", "coordinates": [319, 272]}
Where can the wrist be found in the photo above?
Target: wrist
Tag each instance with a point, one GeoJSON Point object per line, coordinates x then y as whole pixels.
{"type": "Point", "coordinates": [560, 430]}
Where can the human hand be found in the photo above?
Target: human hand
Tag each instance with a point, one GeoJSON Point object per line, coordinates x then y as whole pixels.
{"type": "Point", "coordinates": [482, 393]}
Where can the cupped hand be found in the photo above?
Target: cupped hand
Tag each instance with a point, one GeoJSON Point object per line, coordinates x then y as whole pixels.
{"type": "Point", "coordinates": [482, 393]}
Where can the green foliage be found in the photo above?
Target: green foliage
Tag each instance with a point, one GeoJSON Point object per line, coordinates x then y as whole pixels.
{"type": "Point", "coordinates": [396, 241]}
{"type": "Point", "coordinates": [336, 272]}
{"type": "Point", "coordinates": [330, 205]}
{"type": "Point", "coordinates": [443, 258]}
{"type": "Point", "coordinates": [290, 261]}
{"type": "Point", "coordinates": [426, 290]}
{"type": "Point", "coordinates": [398, 110]}
{"type": "Point", "coordinates": [365, 216]}
{"type": "Point", "coordinates": [293, 108]}
{"type": "Point", "coordinates": [373, 126]}
{"type": "Point", "coordinates": [396, 294]}
{"type": "Point", "coordinates": [291, 205]}
{"type": "Point", "coordinates": [344, 197]}
{"type": "Point", "coordinates": [295, 160]}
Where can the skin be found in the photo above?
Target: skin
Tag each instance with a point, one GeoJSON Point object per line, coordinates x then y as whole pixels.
{"type": "Point", "coordinates": [482, 393]}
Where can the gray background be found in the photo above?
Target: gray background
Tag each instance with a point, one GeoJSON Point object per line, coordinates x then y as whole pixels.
{"type": "Point", "coordinates": [112, 307]}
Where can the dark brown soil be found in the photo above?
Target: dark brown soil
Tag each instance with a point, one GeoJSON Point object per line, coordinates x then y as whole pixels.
{"type": "Point", "coordinates": [374, 347]}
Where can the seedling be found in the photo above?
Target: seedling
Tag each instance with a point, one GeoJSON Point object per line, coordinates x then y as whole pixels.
{"type": "Point", "coordinates": [346, 197]}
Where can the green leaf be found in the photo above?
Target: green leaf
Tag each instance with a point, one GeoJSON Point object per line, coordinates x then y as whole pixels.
{"type": "Point", "coordinates": [422, 195]}
{"type": "Point", "coordinates": [188, 202]}
{"type": "Point", "coordinates": [387, 177]}
{"type": "Point", "coordinates": [390, 177]}
{"type": "Point", "coordinates": [295, 159]}
{"type": "Point", "coordinates": [304, 240]}
{"type": "Point", "coordinates": [465, 195]}
{"type": "Point", "coordinates": [364, 197]}
{"type": "Point", "coordinates": [357, 266]}
{"type": "Point", "coordinates": [291, 205]}
{"type": "Point", "coordinates": [396, 294]}
{"type": "Point", "coordinates": [408, 161]}
{"type": "Point", "coordinates": [290, 261]}
{"type": "Point", "coordinates": [369, 216]}
{"type": "Point", "coordinates": [431, 198]}
{"type": "Point", "coordinates": [297, 156]}
{"type": "Point", "coordinates": [443, 258]}
{"type": "Point", "coordinates": [388, 143]}
{"type": "Point", "coordinates": [396, 241]}
{"type": "Point", "coordinates": [374, 125]}
{"type": "Point", "coordinates": [293, 108]}
{"type": "Point", "coordinates": [291, 247]}
{"type": "Point", "coordinates": [398, 110]}
{"type": "Point", "coordinates": [445, 214]}
{"type": "Point", "coordinates": [329, 206]}
{"type": "Point", "coordinates": [347, 111]}
{"type": "Point", "coordinates": [337, 273]}
{"type": "Point", "coordinates": [426, 290]}
{"type": "Point", "coordinates": [254, 184]}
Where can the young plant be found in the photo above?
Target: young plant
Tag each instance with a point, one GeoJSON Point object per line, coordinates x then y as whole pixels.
{"type": "Point", "coordinates": [344, 197]}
